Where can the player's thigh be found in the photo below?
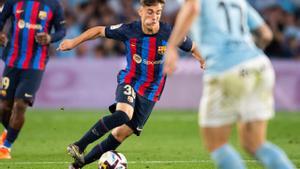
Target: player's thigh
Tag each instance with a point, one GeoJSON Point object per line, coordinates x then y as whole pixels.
{"type": "Point", "coordinates": [219, 102]}
{"type": "Point", "coordinates": [215, 137]}
{"type": "Point", "coordinates": [252, 135]}
{"type": "Point", "coordinates": [9, 83]}
{"type": "Point", "coordinates": [30, 81]}
{"type": "Point", "coordinates": [142, 111]}
{"type": "Point", "coordinates": [122, 132]}
{"type": "Point", "coordinates": [126, 99]}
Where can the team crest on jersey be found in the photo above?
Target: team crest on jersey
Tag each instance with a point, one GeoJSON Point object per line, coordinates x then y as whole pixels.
{"type": "Point", "coordinates": [42, 15]}
{"type": "Point", "coordinates": [162, 50]}
{"type": "Point", "coordinates": [137, 58]}
{"type": "Point", "coordinates": [115, 26]}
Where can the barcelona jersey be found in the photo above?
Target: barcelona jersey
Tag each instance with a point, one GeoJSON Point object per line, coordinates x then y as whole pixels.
{"type": "Point", "coordinates": [145, 57]}
{"type": "Point", "coordinates": [28, 18]}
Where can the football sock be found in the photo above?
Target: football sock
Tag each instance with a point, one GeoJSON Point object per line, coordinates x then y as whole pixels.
{"type": "Point", "coordinates": [110, 143]}
{"type": "Point", "coordinates": [227, 158]}
{"type": "Point", "coordinates": [101, 127]}
{"type": "Point", "coordinates": [272, 157]}
{"type": "Point", "coordinates": [12, 135]}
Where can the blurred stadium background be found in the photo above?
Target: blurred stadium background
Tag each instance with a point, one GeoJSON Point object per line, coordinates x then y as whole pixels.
{"type": "Point", "coordinates": [85, 79]}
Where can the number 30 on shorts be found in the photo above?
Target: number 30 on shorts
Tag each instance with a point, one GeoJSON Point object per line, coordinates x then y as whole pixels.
{"type": "Point", "coordinates": [5, 83]}
{"type": "Point", "coordinates": [129, 91]}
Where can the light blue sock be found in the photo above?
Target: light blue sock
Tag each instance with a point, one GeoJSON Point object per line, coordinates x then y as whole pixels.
{"type": "Point", "coordinates": [227, 158]}
{"type": "Point", "coordinates": [272, 157]}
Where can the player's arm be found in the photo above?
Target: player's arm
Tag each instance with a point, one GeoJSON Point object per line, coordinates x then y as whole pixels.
{"type": "Point", "coordinates": [117, 32]}
{"type": "Point", "coordinates": [197, 55]}
{"type": "Point", "coordinates": [189, 46]}
{"type": "Point", "coordinates": [184, 20]}
{"type": "Point", "coordinates": [262, 34]}
{"type": "Point", "coordinates": [5, 13]}
{"type": "Point", "coordinates": [44, 38]}
{"type": "Point", "coordinates": [90, 34]}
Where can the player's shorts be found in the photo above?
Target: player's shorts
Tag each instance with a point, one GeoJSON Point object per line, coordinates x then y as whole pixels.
{"type": "Point", "coordinates": [243, 93]}
{"type": "Point", "coordinates": [142, 107]}
{"type": "Point", "coordinates": [20, 84]}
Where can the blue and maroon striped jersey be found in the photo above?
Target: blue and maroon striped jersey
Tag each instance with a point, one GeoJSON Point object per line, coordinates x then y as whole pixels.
{"type": "Point", "coordinates": [29, 17]}
{"type": "Point", "coordinates": [145, 57]}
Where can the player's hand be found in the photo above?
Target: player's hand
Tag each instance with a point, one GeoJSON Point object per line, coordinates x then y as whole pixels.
{"type": "Point", "coordinates": [171, 58]}
{"type": "Point", "coordinates": [3, 39]}
{"type": "Point", "coordinates": [43, 38]}
{"type": "Point", "coordinates": [202, 64]}
{"type": "Point", "coordinates": [66, 45]}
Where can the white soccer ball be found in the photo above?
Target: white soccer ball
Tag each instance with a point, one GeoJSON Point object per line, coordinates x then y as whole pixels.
{"type": "Point", "coordinates": [112, 160]}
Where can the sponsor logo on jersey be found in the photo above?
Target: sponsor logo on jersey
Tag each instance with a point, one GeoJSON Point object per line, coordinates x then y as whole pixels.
{"type": "Point", "coordinates": [137, 58]}
{"type": "Point", "coordinates": [22, 24]}
{"type": "Point", "coordinates": [42, 15]}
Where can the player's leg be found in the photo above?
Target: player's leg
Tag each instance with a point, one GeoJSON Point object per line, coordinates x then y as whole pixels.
{"type": "Point", "coordinates": [258, 109]}
{"type": "Point", "coordinates": [16, 123]}
{"type": "Point", "coordinates": [120, 115]}
{"type": "Point", "coordinates": [253, 139]}
{"type": "Point", "coordinates": [222, 153]}
{"type": "Point", "coordinates": [7, 94]}
{"type": "Point", "coordinates": [112, 142]}
{"type": "Point", "coordinates": [142, 111]}
{"type": "Point", "coordinates": [5, 113]}
{"type": "Point", "coordinates": [217, 114]}
{"type": "Point", "coordinates": [27, 86]}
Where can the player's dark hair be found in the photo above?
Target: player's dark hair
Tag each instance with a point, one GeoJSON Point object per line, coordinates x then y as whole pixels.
{"type": "Point", "coordinates": [151, 2]}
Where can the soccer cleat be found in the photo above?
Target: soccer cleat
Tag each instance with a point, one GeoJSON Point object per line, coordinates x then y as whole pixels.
{"type": "Point", "coordinates": [4, 153]}
{"type": "Point", "coordinates": [73, 151]}
{"type": "Point", "coordinates": [3, 137]}
{"type": "Point", "coordinates": [71, 166]}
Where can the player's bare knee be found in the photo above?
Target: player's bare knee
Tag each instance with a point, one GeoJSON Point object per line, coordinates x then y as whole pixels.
{"type": "Point", "coordinates": [121, 133]}
{"type": "Point", "coordinates": [126, 108]}
{"type": "Point", "coordinates": [20, 107]}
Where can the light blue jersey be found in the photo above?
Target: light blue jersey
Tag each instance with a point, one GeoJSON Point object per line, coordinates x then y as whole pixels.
{"type": "Point", "coordinates": [223, 33]}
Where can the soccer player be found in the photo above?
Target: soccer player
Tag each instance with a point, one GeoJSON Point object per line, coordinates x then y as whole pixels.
{"type": "Point", "coordinates": [140, 84]}
{"type": "Point", "coordinates": [25, 57]}
{"type": "Point", "coordinates": [238, 82]}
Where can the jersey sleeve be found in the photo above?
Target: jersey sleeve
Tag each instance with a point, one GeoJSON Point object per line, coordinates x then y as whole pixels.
{"type": "Point", "coordinates": [116, 32]}
{"type": "Point", "coordinates": [254, 20]}
{"type": "Point", "coordinates": [6, 12]}
{"type": "Point", "coordinates": [187, 44]}
{"type": "Point", "coordinates": [59, 24]}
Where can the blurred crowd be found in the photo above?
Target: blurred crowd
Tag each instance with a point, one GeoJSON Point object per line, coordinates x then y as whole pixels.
{"type": "Point", "coordinates": [283, 16]}
{"type": "Point", "coordinates": [84, 14]}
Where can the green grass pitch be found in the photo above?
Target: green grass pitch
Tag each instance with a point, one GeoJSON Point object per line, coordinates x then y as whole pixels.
{"type": "Point", "coordinates": [170, 140]}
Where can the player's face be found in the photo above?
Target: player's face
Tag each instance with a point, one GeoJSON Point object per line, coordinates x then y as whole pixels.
{"type": "Point", "coordinates": [150, 15]}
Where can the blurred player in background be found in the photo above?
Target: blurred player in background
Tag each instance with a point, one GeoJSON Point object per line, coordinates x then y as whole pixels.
{"type": "Point", "coordinates": [238, 82]}
{"type": "Point", "coordinates": [140, 85]}
{"type": "Point", "coordinates": [25, 57]}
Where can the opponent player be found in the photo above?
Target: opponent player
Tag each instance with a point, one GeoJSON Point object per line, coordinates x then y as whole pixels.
{"type": "Point", "coordinates": [25, 57]}
{"type": "Point", "coordinates": [139, 85]}
{"type": "Point", "coordinates": [238, 82]}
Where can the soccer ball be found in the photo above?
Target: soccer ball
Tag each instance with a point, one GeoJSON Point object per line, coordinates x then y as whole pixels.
{"type": "Point", "coordinates": [112, 160]}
